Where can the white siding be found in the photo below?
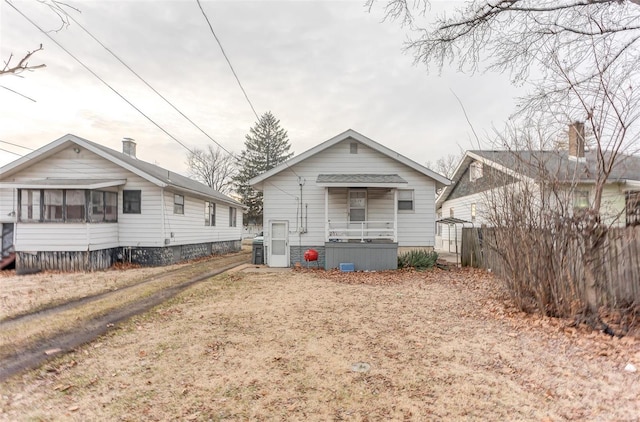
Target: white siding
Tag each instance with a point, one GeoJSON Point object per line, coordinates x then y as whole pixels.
{"type": "Point", "coordinates": [282, 193]}
{"type": "Point", "coordinates": [8, 205]}
{"type": "Point", "coordinates": [150, 228]}
{"type": "Point", "coordinates": [189, 227]}
{"type": "Point", "coordinates": [462, 210]}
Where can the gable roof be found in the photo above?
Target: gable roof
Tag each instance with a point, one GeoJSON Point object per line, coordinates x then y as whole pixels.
{"type": "Point", "coordinates": [150, 172]}
{"type": "Point", "coordinates": [441, 181]}
{"type": "Point", "coordinates": [535, 164]}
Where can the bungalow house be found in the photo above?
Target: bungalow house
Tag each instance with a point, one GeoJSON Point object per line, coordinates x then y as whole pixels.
{"type": "Point", "coordinates": [464, 202]}
{"type": "Point", "coordinates": [77, 205]}
{"type": "Point", "coordinates": [351, 199]}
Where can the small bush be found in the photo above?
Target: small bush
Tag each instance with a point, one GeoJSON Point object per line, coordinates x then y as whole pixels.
{"type": "Point", "coordinates": [419, 259]}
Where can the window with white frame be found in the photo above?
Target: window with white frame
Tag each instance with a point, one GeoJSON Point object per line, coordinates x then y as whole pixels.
{"type": "Point", "coordinates": [405, 200]}
{"type": "Point", "coordinates": [475, 171]}
{"type": "Point", "coordinates": [473, 212]}
{"type": "Point", "coordinates": [233, 216]}
{"type": "Point", "coordinates": [357, 205]}
{"type": "Point", "coordinates": [580, 201]}
{"type": "Point", "coordinates": [178, 204]}
{"type": "Point", "coordinates": [67, 205]}
{"type": "Point", "coordinates": [209, 213]}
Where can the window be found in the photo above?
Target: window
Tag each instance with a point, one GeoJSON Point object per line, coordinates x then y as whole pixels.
{"type": "Point", "coordinates": [353, 147]}
{"type": "Point", "coordinates": [53, 200]}
{"type": "Point", "coordinates": [131, 201]}
{"type": "Point", "coordinates": [632, 208]}
{"type": "Point", "coordinates": [178, 204]}
{"type": "Point", "coordinates": [580, 200]}
{"type": "Point", "coordinates": [232, 217]}
{"type": "Point", "coordinates": [103, 206]}
{"type": "Point", "coordinates": [405, 200]}
{"type": "Point", "coordinates": [357, 205]}
{"type": "Point", "coordinates": [111, 206]}
{"type": "Point", "coordinates": [475, 171]}
{"type": "Point", "coordinates": [451, 212]}
{"type": "Point", "coordinates": [473, 212]}
{"type": "Point", "coordinates": [67, 205]}
{"type": "Point", "coordinates": [74, 205]}
{"type": "Point", "coordinates": [209, 213]}
{"type": "Point", "coordinates": [30, 205]}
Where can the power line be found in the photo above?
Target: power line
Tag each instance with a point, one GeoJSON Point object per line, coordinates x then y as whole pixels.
{"type": "Point", "coordinates": [11, 152]}
{"type": "Point", "coordinates": [148, 85]}
{"type": "Point", "coordinates": [98, 77]}
{"type": "Point", "coordinates": [227, 58]}
{"type": "Point", "coordinates": [17, 93]}
{"type": "Point", "coordinates": [16, 145]}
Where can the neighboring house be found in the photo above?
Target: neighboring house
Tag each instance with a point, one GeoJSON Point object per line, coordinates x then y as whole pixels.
{"type": "Point", "coordinates": [77, 205]}
{"type": "Point", "coordinates": [351, 199]}
{"type": "Point", "coordinates": [464, 202]}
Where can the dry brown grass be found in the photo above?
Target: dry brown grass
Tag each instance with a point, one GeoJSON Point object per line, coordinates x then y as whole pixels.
{"type": "Point", "coordinates": [280, 346]}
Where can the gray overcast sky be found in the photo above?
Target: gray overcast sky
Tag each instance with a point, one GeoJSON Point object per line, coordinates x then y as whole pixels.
{"type": "Point", "coordinates": [321, 67]}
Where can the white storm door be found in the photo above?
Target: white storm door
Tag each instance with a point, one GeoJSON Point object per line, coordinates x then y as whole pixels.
{"type": "Point", "coordinates": [279, 244]}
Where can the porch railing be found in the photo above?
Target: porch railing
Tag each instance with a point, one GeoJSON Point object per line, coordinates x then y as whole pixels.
{"type": "Point", "coordinates": [361, 230]}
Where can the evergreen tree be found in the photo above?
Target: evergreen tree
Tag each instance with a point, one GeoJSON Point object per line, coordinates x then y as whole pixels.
{"type": "Point", "coordinates": [266, 146]}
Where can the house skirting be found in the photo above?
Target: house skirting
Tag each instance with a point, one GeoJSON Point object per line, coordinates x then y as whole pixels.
{"type": "Point", "coordinates": [104, 258]}
{"type": "Point", "coordinates": [296, 255]}
{"type": "Point", "coordinates": [27, 262]}
{"type": "Point", "coordinates": [364, 256]}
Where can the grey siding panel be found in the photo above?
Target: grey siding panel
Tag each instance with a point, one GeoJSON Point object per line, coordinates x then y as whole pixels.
{"type": "Point", "coordinates": [365, 257]}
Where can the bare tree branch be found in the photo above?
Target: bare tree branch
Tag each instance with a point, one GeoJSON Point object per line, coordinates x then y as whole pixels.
{"type": "Point", "coordinates": [212, 167]}
{"type": "Point", "coordinates": [22, 65]}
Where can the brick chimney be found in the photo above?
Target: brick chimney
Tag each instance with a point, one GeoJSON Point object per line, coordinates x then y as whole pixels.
{"type": "Point", "coordinates": [129, 147]}
{"type": "Point", "coordinates": [576, 141]}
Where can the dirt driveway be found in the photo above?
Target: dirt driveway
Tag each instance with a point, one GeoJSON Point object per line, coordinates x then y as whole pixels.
{"type": "Point", "coordinates": [326, 346]}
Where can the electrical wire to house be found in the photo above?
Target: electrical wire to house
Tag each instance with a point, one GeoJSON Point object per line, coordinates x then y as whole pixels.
{"type": "Point", "coordinates": [149, 85]}
{"type": "Point", "coordinates": [227, 59]}
{"type": "Point", "coordinates": [99, 78]}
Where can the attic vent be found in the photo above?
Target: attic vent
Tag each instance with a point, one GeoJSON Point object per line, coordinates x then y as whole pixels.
{"type": "Point", "coordinates": [353, 148]}
{"type": "Point", "coordinates": [475, 171]}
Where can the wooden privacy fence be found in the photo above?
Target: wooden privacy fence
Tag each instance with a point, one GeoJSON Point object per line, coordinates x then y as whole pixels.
{"type": "Point", "coordinates": [548, 266]}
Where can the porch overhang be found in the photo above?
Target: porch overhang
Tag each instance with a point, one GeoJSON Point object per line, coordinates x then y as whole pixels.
{"type": "Point", "coordinates": [64, 184]}
{"type": "Point", "coordinates": [361, 181]}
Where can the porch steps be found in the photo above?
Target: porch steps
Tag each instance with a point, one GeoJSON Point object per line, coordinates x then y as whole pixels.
{"type": "Point", "coordinates": [7, 260]}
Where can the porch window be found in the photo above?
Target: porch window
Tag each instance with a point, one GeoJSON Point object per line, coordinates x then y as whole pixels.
{"type": "Point", "coordinates": [178, 204]}
{"type": "Point", "coordinates": [110, 206]}
{"type": "Point", "coordinates": [103, 207]}
{"type": "Point", "coordinates": [30, 205]}
{"type": "Point", "coordinates": [53, 201]}
{"type": "Point", "coordinates": [67, 205]}
{"type": "Point", "coordinates": [405, 200]}
{"type": "Point", "coordinates": [209, 213]}
{"type": "Point", "coordinates": [74, 205]}
{"type": "Point", "coordinates": [632, 208]}
{"type": "Point", "coordinates": [357, 205]}
{"type": "Point", "coordinates": [233, 217]}
{"type": "Point", "coordinates": [131, 201]}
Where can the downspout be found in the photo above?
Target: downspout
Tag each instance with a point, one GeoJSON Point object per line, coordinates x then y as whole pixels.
{"type": "Point", "coordinates": [164, 216]}
{"type": "Point", "coordinates": [395, 215]}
